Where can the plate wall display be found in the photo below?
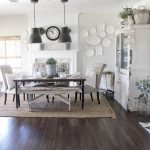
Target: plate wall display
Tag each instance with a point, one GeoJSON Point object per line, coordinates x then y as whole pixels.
{"type": "Point", "coordinates": [106, 42]}
{"type": "Point", "coordinates": [102, 34]}
{"type": "Point", "coordinates": [85, 33]}
{"type": "Point", "coordinates": [92, 30]}
{"type": "Point", "coordinates": [93, 40]}
{"type": "Point", "coordinates": [110, 29]}
{"type": "Point", "coordinates": [100, 26]}
{"type": "Point", "coordinates": [99, 50]}
{"type": "Point", "coordinates": [90, 52]}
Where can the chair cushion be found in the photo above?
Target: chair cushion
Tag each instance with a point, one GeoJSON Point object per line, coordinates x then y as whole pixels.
{"type": "Point", "coordinates": [9, 80]}
{"type": "Point", "coordinates": [11, 91]}
{"type": "Point", "coordinates": [89, 89]}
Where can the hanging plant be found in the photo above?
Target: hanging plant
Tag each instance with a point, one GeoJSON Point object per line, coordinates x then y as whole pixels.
{"type": "Point", "coordinates": [42, 30]}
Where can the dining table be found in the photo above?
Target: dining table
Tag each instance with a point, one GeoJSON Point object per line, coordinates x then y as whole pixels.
{"type": "Point", "coordinates": [24, 80]}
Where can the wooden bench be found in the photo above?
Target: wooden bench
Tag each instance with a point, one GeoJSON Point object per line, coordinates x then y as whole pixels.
{"type": "Point", "coordinates": [57, 92]}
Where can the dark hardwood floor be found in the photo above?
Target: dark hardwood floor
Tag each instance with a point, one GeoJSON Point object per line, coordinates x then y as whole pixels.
{"type": "Point", "coordinates": [122, 133]}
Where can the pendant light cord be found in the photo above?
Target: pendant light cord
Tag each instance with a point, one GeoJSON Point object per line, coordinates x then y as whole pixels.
{"type": "Point", "coordinates": [34, 14]}
{"type": "Point", "coordinates": [64, 14]}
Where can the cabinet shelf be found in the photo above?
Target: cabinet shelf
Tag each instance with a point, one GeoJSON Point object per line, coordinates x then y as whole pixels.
{"type": "Point", "coordinates": [142, 26]}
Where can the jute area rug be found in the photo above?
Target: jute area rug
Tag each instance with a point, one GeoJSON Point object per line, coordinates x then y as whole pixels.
{"type": "Point", "coordinates": [41, 108]}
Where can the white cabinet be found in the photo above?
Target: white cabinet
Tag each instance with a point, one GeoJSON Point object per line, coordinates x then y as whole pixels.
{"type": "Point", "coordinates": [117, 86]}
{"type": "Point", "coordinates": [122, 88]}
{"type": "Point", "coordinates": [132, 67]}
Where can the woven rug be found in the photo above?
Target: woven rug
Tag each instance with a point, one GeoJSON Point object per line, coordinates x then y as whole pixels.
{"type": "Point", "coordinates": [41, 108]}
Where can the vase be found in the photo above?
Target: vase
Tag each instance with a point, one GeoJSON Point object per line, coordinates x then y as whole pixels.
{"type": "Point", "coordinates": [50, 69]}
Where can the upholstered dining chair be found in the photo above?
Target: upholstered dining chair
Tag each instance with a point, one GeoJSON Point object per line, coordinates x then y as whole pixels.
{"type": "Point", "coordinates": [8, 85]}
{"type": "Point", "coordinates": [93, 80]}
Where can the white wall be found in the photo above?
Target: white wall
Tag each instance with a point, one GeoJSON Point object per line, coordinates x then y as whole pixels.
{"type": "Point", "coordinates": [77, 23]}
{"type": "Point", "coordinates": [46, 20]}
{"type": "Point", "coordinates": [49, 19]}
{"type": "Point", "coordinates": [86, 21]}
{"type": "Point", "coordinates": [12, 25]}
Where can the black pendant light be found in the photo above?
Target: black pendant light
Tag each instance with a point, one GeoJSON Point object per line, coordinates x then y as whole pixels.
{"type": "Point", "coordinates": [64, 31]}
{"type": "Point", "coordinates": [35, 36]}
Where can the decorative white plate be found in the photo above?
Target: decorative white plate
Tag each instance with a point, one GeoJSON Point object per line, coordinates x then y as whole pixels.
{"type": "Point", "coordinates": [110, 29]}
{"type": "Point", "coordinates": [85, 33]}
{"type": "Point", "coordinates": [93, 40]}
{"type": "Point", "coordinates": [102, 34]}
{"type": "Point", "coordinates": [90, 53]}
{"type": "Point", "coordinates": [106, 42]}
{"type": "Point", "coordinates": [92, 30]}
{"type": "Point", "coordinates": [100, 26]}
{"type": "Point", "coordinates": [99, 50]}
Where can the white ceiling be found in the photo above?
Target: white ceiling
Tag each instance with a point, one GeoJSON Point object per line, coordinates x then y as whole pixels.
{"type": "Point", "coordinates": [45, 6]}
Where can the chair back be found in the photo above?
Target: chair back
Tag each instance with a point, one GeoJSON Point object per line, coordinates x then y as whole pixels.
{"type": "Point", "coordinates": [3, 70]}
{"type": "Point", "coordinates": [94, 74]}
{"type": "Point", "coordinates": [99, 71]}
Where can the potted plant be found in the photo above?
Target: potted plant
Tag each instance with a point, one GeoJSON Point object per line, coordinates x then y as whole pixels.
{"type": "Point", "coordinates": [127, 13]}
{"type": "Point", "coordinates": [143, 99]}
{"type": "Point", "coordinates": [42, 30]}
{"type": "Point", "coordinates": [51, 67]}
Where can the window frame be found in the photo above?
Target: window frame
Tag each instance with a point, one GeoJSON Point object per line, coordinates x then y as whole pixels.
{"type": "Point", "coordinates": [11, 38]}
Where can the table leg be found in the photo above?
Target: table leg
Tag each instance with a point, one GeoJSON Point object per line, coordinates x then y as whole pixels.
{"type": "Point", "coordinates": [82, 88]}
{"type": "Point", "coordinates": [17, 96]}
{"type": "Point", "coordinates": [23, 93]}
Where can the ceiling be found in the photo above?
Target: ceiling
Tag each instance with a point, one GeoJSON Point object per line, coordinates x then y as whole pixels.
{"type": "Point", "coordinates": [55, 6]}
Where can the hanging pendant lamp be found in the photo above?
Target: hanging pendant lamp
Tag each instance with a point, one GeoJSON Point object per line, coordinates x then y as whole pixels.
{"type": "Point", "coordinates": [64, 31]}
{"type": "Point", "coordinates": [35, 36]}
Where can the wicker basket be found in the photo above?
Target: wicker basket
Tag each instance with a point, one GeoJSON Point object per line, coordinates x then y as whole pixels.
{"type": "Point", "coordinates": [142, 16]}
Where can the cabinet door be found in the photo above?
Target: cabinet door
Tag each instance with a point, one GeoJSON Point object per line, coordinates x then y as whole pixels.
{"type": "Point", "coordinates": [117, 86]}
{"type": "Point", "coordinates": [124, 90]}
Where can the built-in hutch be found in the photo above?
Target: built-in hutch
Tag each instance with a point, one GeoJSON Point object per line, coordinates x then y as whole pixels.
{"type": "Point", "coordinates": [132, 65]}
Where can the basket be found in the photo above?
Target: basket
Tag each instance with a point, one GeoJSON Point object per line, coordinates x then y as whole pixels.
{"type": "Point", "coordinates": [142, 16]}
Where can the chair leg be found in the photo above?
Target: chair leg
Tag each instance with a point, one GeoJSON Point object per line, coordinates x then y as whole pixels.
{"type": "Point", "coordinates": [5, 98]}
{"type": "Point", "coordinates": [14, 97]}
{"type": "Point", "coordinates": [80, 96]}
{"type": "Point", "coordinates": [47, 97]}
{"type": "Point", "coordinates": [91, 96]}
{"type": "Point", "coordinates": [24, 97]}
{"type": "Point", "coordinates": [76, 96]}
{"type": "Point", "coordinates": [98, 98]}
{"type": "Point", "coordinates": [68, 96]}
{"type": "Point", "coordinates": [53, 99]}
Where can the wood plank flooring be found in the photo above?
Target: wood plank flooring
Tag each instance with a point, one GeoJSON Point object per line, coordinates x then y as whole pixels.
{"type": "Point", "coordinates": [122, 133]}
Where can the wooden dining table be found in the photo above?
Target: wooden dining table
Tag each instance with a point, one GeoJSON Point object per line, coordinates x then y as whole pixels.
{"type": "Point", "coordinates": [18, 81]}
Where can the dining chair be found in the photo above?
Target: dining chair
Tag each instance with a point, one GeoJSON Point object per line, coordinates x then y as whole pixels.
{"type": "Point", "coordinates": [91, 87]}
{"type": "Point", "coordinates": [8, 87]}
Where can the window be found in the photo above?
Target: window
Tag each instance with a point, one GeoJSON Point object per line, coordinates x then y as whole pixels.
{"type": "Point", "coordinates": [10, 52]}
